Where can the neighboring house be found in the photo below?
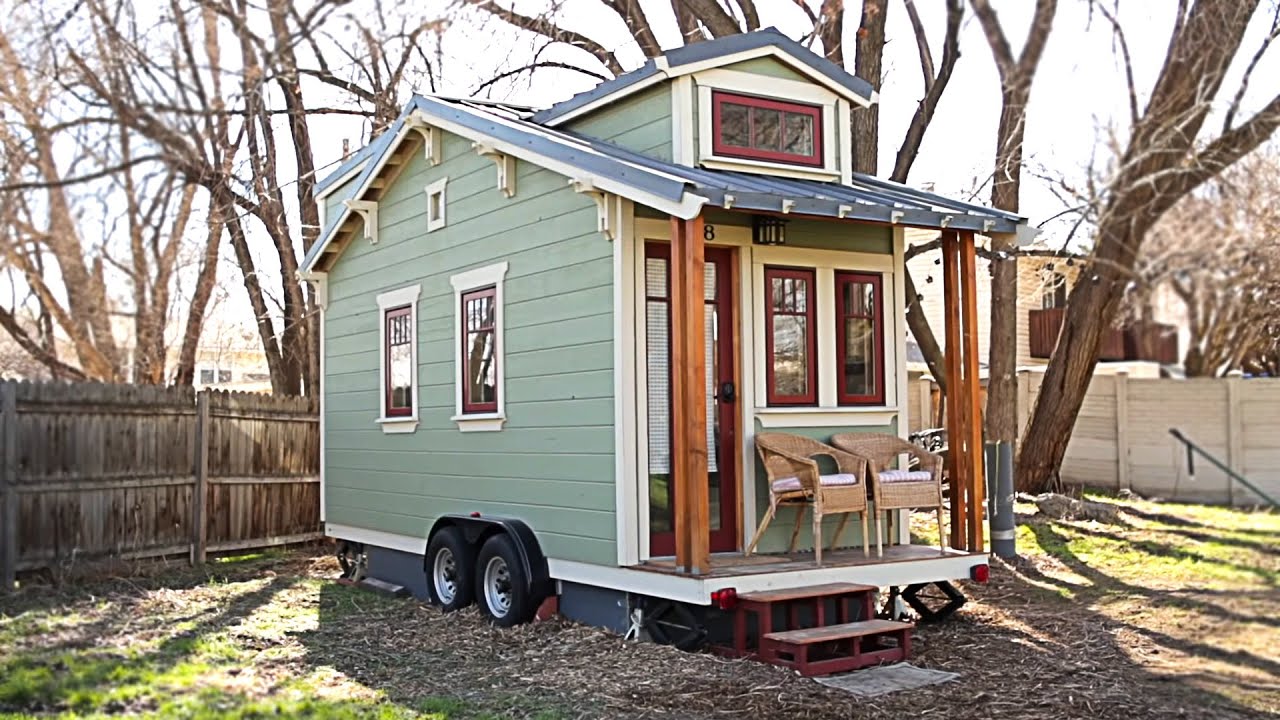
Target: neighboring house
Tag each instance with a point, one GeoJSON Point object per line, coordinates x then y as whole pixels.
{"type": "Point", "coordinates": [241, 370]}
{"type": "Point", "coordinates": [500, 352]}
{"type": "Point", "coordinates": [1043, 285]}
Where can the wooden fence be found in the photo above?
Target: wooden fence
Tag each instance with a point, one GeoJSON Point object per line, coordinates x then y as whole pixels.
{"type": "Point", "coordinates": [91, 471]}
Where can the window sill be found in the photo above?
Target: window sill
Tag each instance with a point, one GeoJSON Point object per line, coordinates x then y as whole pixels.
{"type": "Point", "coordinates": [398, 425]}
{"type": "Point", "coordinates": [480, 422]}
{"type": "Point", "coordinates": [800, 417]}
{"type": "Point", "coordinates": [717, 162]}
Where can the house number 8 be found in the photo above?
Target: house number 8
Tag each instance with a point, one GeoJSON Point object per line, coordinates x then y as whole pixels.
{"type": "Point", "coordinates": [708, 232]}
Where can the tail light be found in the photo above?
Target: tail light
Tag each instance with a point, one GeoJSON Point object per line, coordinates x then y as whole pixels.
{"type": "Point", "coordinates": [725, 598]}
{"type": "Point", "coordinates": [980, 573]}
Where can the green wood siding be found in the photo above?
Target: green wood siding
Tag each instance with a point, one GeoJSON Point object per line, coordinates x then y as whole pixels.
{"type": "Point", "coordinates": [768, 66]}
{"type": "Point", "coordinates": [552, 465]}
{"type": "Point", "coordinates": [641, 122]}
{"type": "Point", "coordinates": [778, 537]}
{"type": "Point", "coordinates": [333, 206]}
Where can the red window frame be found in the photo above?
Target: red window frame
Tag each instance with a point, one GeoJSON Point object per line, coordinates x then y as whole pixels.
{"type": "Point", "coordinates": [468, 406]}
{"type": "Point", "coordinates": [811, 337]}
{"type": "Point", "coordinates": [389, 341]}
{"type": "Point", "coordinates": [843, 279]}
{"type": "Point", "coordinates": [719, 147]}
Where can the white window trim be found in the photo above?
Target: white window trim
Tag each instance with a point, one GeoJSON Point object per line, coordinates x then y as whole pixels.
{"type": "Point", "coordinates": [825, 264]}
{"type": "Point", "coordinates": [779, 89]}
{"type": "Point", "coordinates": [389, 301]}
{"type": "Point", "coordinates": [463, 283]}
{"type": "Point", "coordinates": [437, 188]}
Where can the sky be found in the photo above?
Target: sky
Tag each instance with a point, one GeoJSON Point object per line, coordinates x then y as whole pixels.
{"type": "Point", "coordinates": [1079, 98]}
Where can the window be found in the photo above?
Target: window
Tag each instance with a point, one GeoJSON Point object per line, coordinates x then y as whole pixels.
{"type": "Point", "coordinates": [436, 202]}
{"type": "Point", "coordinates": [206, 376]}
{"type": "Point", "coordinates": [859, 339]}
{"type": "Point", "coordinates": [478, 341]}
{"type": "Point", "coordinates": [479, 352]}
{"type": "Point", "coordinates": [399, 367]}
{"type": "Point", "coordinates": [224, 376]}
{"type": "Point", "coordinates": [790, 343]}
{"type": "Point", "coordinates": [760, 129]}
{"type": "Point", "coordinates": [398, 381]}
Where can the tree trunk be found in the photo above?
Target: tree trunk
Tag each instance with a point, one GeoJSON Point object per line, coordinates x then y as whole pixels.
{"type": "Point", "coordinates": [205, 282]}
{"type": "Point", "coordinates": [867, 65]}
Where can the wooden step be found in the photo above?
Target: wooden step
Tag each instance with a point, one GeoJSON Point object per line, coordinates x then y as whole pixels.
{"type": "Point", "coordinates": [806, 593]}
{"type": "Point", "coordinates": [844, 631]}
{"type": "Point", "coordinates": [838, 648]}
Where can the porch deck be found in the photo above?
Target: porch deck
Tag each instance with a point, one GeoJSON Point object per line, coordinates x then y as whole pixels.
{"type": "Point", "coordinates": [737, 565]}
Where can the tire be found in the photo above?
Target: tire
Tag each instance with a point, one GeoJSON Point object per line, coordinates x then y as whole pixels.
{"type": "Point", "coordinates": [501, 587]}
{"type": "Point", "coordinates": [449, 565]}
{"type": "Point", "coordinates": [673, 623]}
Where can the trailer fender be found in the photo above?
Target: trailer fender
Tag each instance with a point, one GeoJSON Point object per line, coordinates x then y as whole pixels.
{"type": "Point", "coordinates": [475, 530]}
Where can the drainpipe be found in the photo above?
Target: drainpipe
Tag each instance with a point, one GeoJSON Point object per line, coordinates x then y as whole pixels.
{"type": "Point", "coordinates": [1000, 494]}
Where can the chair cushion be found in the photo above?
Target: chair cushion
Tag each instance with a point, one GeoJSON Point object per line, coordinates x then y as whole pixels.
{"type": "Point", "coordinates": [897, 476]}
{"type": "Point", "coordinates": [792, 484]}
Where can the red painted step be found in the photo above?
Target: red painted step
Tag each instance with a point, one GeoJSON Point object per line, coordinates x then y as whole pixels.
{"type": "Point", "coordinates": [838, 648]}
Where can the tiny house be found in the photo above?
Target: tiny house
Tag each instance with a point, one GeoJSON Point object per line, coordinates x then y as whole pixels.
{"type": "Point", "coordinates": [550, 337]}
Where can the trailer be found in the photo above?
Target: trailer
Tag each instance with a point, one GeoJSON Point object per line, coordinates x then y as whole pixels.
{"type": "Point", "coordinates": [551, 336]}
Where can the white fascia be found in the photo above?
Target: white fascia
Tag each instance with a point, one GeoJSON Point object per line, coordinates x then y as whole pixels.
{"type": "Point", "coordinates": [687, 208]}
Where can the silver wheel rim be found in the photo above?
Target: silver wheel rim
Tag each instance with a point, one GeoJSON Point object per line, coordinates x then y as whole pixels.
{"type": "Point", "coordinates": [497, 586]}
{"type": "Point", "coordinates": [445, 576]}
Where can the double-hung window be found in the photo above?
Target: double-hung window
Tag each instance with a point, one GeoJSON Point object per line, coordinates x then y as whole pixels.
{"type": "Point", "coordinates": [790, 342]}
{"type": "Point", "coordinates": [398, 381]}
{"type": "Point", "coordinates": [859, 339]}
{"type": "Point", "coordinates": [480, 402]}
{"type": "Point", "coordinates": [480, 351]}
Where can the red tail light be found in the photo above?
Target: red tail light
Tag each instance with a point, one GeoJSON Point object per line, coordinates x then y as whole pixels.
{"type": "Point", "coordinates": [725, 598]}
{"type": "Point", "coordinates": [475, 513]}
{"type": "Point", "coordinates": [980, 573]}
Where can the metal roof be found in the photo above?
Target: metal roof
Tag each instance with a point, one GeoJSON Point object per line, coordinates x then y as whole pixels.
{"type": "Point", "coordinates": [676, 189]}
{"type": "Point", "coordinates": [708, 50]}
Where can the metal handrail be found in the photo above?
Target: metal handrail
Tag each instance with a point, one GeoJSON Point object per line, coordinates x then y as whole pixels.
{"type": "Point", "coordinates": [1193, 448]}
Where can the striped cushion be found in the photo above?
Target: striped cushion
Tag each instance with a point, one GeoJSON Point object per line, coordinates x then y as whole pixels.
{"type": "Point", "coordinates": [897, 476]}
{"type": "Point", "coordinates": [792, 484]}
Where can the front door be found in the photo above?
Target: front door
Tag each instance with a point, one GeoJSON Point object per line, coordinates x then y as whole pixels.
{"type": "Point", "coordinates": [721, 399]}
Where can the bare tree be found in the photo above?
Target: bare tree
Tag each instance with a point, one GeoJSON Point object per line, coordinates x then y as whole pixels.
{"type": "Point", "coordinates": [1016, 75]}
{"type": "Point", "coordinates": [1165, 157]}
{"type": "Point", "coordinates": [1217, 253]}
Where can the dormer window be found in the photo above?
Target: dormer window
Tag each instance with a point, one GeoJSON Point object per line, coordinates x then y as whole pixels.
{"type": "Point", "coordinates": [757, 128]}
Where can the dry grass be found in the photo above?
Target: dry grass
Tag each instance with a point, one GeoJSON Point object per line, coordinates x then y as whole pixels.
{"type": "Point", "coordinates": [1175, 614]}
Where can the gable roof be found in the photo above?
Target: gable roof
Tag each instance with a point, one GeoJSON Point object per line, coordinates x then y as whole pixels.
{"type": "Point", "coordinates": [713, 53]}
{"type": "Point", "coordinates": [674, 189]}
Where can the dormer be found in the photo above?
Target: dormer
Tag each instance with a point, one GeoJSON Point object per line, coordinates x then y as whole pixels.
{"type": "Point", "coordinates": [755, 103]}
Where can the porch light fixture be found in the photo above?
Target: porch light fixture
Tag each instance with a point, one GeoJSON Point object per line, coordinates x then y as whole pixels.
{"type": "Point", "coordinates": [767, 230]}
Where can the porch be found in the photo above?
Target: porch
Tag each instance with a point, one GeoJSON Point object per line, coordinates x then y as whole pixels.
{"type": "Point", "coordinates": [726, 565]}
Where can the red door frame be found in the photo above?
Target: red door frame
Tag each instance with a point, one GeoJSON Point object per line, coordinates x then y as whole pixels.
{"type": "Point", "coordinates": [726, 538]}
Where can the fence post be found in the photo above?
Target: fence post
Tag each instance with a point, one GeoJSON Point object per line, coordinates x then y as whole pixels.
{"type": "Point", "coordinates": [9, 484]}
{"type": "Point", "coordinates": [1235, 433]}
{"type": "Point", "coordinates": [200, 491]}
{"type": "Point", "coordinates": [1121, 380]}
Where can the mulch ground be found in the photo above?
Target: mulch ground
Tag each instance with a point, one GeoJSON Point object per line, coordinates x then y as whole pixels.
{"type": "Point", "coordinates": [1038, 641]}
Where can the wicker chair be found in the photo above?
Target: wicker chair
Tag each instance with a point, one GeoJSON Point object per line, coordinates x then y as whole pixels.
{"type": "Point", "coordinates": [794, 479]}
{"type": "Point", "coordinates": [897, 489]}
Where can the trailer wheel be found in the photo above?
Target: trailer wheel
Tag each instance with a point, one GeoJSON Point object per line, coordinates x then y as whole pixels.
{"type": "Point", "coordinates": [673, 623]}
{"type": "Point", "coordinates": [449, 564]}
{"type": "Point", "coordinates": [502, 590]}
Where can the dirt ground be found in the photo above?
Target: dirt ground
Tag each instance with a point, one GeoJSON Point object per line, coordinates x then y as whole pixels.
{"type": "Point", "coordinates": [1175, 612]}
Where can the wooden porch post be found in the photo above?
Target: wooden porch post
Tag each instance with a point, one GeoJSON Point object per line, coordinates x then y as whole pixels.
{"type": "Point", "coordinates": [973, 458]}
{"type": "Point", "coordinates": [964, 391]}
{"type": "Point", "coordinates": [689, 398]}
{"type": "Point", "coordinates": [956, 397]}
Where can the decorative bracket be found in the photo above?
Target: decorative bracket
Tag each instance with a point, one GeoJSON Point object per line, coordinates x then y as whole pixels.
{"type": "Point", "coordinates": [368, 211]}
{"type": "Point", "coordinates": [321, 282]}
{"type": "Point", "coordinates": [843, 211]}
{"type": "Point", "coordinates": [788, 206]}
{"type": "Point", "coordinates": [506, 167]}
{"type": "Point", "coordinates": [987, 225]}
{"type": "Point", "coordinates": [603, 222]}
{"type": "Point", "coordinates": [430, 138]}
{"type": "Point", "coordinates": [729, 200]}
{"type": "Point", "coordinates": [895, 216]}
{"type": "Point", "coordinates": [946, 221]}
